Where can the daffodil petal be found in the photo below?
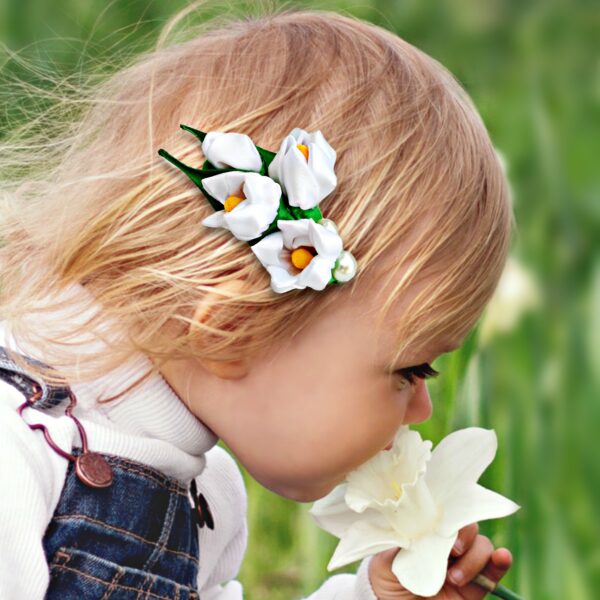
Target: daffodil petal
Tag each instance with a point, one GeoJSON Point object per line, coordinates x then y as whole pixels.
{"type": "Point", "coordinates": [373, 484]}
{"type": "Point", "coordinates": [383, 480]}
{"type": "Point", "coordinates": [332, 514]}
{"type": "Point", "coordinates": [460, 459]}
{"type": "Point", "coordinates": [416, 511]}
{"type": "Point", "coordinates": [363, 538]}
{"type": "Point", "coordinates": [421, 568]}
{"type": "Point", "coordinates": [473, 503]}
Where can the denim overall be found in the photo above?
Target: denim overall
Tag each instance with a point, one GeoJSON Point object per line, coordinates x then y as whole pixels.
{"type": "Point", "coordinates": [136, 538]}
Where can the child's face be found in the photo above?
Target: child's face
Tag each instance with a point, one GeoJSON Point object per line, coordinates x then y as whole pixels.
{"type": "Point", "coordinates": [317, 406]}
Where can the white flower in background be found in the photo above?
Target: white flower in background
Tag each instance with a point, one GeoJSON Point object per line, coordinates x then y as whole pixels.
{"type": "Point", "coordinates": [415, 499]}
{"type": "Point", "coordinates": [502, 160]}
{"type": "Point", "coordinates": [504, 166]}
{"type": "Point", "coordinates": [304, 168]}
{"type": "Point", "coordinates": [517, 292]}
{"type": "Point", "coordinates": [236, 150]}
{"type": "Point", "coordinates": [250, 202]}
{"type": "Point", "coordinates": [301, 254]}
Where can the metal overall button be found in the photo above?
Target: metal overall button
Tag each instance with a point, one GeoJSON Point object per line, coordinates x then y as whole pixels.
{"type": "Point", "coordinates": [90, 467]}
{"type": "Point", "coordinates": [201, 515]}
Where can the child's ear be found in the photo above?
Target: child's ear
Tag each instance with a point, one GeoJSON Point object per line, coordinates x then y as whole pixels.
{"type": "Point", "coordinates": [224, 369]}
{"type": "Point", "coordinates": [237, 369]}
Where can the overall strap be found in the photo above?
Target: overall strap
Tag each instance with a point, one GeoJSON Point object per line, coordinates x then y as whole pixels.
{"type": "Point", "coordinates": [91, 467]}
{"type": "Point", "coordinates": [26, 382]}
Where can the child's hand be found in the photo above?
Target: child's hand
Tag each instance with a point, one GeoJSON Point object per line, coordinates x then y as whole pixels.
{"type": "Point", "coordinates": [478, 556]}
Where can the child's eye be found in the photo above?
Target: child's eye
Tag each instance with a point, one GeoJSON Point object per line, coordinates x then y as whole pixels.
{"type": "Point", "coordinates": [422, 371]}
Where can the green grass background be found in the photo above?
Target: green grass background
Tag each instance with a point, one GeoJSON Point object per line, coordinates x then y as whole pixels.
{"type": "Point", "coordinates": [533, 70]}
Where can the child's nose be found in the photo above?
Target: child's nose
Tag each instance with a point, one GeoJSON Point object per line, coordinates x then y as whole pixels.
{"type": "Point", "coordinates": [419, 408]}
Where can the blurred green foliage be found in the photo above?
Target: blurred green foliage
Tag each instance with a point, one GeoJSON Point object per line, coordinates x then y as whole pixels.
{"type": "Point", "coordinates": [533, 70]}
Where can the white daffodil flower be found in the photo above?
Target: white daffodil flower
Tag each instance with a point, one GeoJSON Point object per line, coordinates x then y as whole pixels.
{"type": "Point", "coordinates": [516, 294]}
{"type": "Point", "coordinates": [301, 254]}
{"type": "Point", "coordinates": [415, 499]}
{"type": "Point", "coordinates": [304, 168]}
{"type": "Point", "coordinates": [250, 202]}
{"type": "Point", "coordinates": [236, 150]}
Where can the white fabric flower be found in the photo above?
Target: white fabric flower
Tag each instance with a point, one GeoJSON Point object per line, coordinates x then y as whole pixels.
{"type": "Point", "coordinates": [275, 253]}
{"type": "Point", "coordinates": [415, 499]}
{"type": "Point", "coordinates": [257, 210]}
{"type": "Point", "coordinates": [225, 150]}
{"type": "Point", "coordinates": [305, 182]}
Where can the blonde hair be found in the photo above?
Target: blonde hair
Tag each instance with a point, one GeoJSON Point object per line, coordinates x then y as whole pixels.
{"type": "Point", "coordinates": [107, 212]}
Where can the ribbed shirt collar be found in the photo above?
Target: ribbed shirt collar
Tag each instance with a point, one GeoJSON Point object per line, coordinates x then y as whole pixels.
{"type": "Point", "coordinates": [152, 410]}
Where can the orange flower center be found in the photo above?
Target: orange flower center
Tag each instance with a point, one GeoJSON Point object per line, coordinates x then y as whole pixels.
{"type": "Point", "coordinates": [303, 149]}
{"type": "Point", "coordinates": [302, 256]}
{"type": "Point", "coordinates": [232, 202]}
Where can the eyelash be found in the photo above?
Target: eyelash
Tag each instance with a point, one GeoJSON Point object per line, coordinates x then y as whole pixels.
{"type": "Point", "coordinates": [423, 371]}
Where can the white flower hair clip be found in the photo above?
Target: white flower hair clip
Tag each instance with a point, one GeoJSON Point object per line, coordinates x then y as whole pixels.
{"type": "Point", "coordinates": [270, 200]}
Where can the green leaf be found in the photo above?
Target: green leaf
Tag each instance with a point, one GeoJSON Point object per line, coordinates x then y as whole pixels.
{"type": "Point", "coordinates": [313, 213]}
{"type": "Point", "coordinates": [199, 134]}
{"type": "Point", "coordinates": [285, 212]}
{"type": "Point", "coordinates": [267, 157]}
{"type": "Point", "coordinates": [196, 175]}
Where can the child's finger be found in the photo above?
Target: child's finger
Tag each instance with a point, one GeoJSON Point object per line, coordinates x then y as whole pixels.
{"type": "Point", "coordinates": [499, 563]}
{"type": "Point", "coordinates": [471, 562]}
{"type": "Point", "coordinates": [465, 539]}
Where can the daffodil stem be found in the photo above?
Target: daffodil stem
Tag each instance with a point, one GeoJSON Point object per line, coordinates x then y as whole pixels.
{"type": "Point", "coordinates": [504, 592]}
{"type": "Point", "coordinates": [495, 588]}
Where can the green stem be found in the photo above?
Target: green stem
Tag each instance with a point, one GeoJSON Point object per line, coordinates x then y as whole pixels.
{"type": "Point", "coordinates": [499, 590]}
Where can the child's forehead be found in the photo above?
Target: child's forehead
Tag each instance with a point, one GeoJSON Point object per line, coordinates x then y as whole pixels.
{"type": "Point", "coordinates": [400, 317]}
{"type": "Point", "coordinates": [425, 352]}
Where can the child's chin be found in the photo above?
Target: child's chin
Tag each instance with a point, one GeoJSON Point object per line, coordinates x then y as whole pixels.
{"type": "Point", "coordinates": [310, 494]}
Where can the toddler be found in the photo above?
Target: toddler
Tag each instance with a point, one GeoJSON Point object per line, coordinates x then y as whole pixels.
{"type": "Point", "coordinates": [163, 335]}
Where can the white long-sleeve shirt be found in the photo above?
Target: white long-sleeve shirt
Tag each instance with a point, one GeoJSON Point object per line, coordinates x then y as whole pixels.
{"type": "Point", "coordinates": [149, 424]}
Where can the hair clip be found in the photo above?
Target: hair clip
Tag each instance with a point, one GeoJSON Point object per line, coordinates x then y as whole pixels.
{"type": "Point", "coordinates": [270, 200]}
